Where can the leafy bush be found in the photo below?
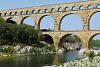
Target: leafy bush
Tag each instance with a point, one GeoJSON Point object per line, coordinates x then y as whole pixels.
{"type": "Point", "coordinates": [98, 54]}
{"type": "Point", "coordinates": [91, 55]}
{"type": "Point", "coordinates": [6, 50]}
{"type": "Point", "coordinates": [12, 33]}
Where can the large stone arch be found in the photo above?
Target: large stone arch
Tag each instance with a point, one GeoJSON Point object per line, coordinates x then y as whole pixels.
{"type": "Point", "coordinates": [11, 20]}
{"type": "Point", "coordinates": [47, 39]}
{"type": "Point", "coordinates": [40, 20]}
{"type": "Point", "coordinates": [78, 16]}
{"type": "Point", "coordinates": [90, 39]}
{"type": "Point", "coordinates": [32, 20]}
{"type": "Point", "coordinates": [62, 40]}
{"type": "Point", "coordinates": [90, 20]}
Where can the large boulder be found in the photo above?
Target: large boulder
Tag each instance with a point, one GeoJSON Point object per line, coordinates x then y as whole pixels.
{"type": "Point", "coordinates": [28, 48]}
{"type": "Point", "coordinates": [17, 48]}
{"type": "Point", "coordinates": [60, 50]}
{"type": "Point", "coordinates": [82, 52]}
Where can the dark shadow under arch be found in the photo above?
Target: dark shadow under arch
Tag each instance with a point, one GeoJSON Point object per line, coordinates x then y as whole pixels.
{"type": "Point", "coordinates": [5, 14]}
{"type": "Point", "coordinates": [47, 39]}
{"type": "Point", "coordinates": [11, 20]}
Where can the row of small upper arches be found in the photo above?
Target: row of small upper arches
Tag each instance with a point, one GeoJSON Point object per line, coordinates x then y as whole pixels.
{"type": "Point", "coordinates": [60, 9]}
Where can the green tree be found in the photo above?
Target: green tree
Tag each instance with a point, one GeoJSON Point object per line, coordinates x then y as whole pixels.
{"type": "Point", "coordinates": [2, 20]}
{"type": "Point", "coordinates": [12, 33]}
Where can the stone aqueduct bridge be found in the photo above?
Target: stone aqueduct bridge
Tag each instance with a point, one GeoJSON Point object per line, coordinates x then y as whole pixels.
{"type": "Point", "coordinates": [58, 12]}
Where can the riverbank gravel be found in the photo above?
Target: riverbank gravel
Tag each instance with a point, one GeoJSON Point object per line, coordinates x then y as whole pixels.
{"type": "Point", "coordinates": [81, 63]}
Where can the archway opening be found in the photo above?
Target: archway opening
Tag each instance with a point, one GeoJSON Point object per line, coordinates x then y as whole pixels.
{"type": "Point", "coordinates": [11, 20]}
{"type": "Point", "coordinates": [71, 22]}
{"type": "Point", "coordinates": [66, 8]}
{"type": "Point", "coordinates": [53, 10]}
{"type": "Point", "coordinates": [47, 43]}
{"type": "Point", "coordinates": [46, 23]}
{"type": "Point", "coordinates": [60, 9]}
{"type": "Point", "coordinates": [90, 7]}
{"type": "Point", "coordinates": [94, 42]}
{"type": "Point", "coordinates": [47, 39]}
{"type": "Point", "coordinates": [81, 8]}
{"type": "Point", "coordinates": [70, 42]}
{"type": "Point", "coordinates": [46, 10]}
{"type": "Point", "coordinates": [94, 22]}
{"type": "Point", "coordinates": [73, 8]}
{"type": "Point", "coordinates": [98, 6]}
{"type": "Point", "coordinates": [28, 21]}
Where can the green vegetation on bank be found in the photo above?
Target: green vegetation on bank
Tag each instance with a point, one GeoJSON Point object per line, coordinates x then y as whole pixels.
{"type": "Point", "coordinates": [72, 38]}
{"type": "Point", "coordinates": [11, 34]}
{"type": "Point", "coordinates": [90, 55]}
{"type": "Point", "coordinates": [24, 35]}
{"type": "Point", "coordinates": [95, 43]}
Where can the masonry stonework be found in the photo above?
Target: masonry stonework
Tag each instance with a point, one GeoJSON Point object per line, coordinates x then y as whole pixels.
{"type": "Point", "coordinates": [58, 11]}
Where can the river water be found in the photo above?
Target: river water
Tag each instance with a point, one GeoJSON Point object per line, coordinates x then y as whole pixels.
{"type": "Point", "coordinates": [39, 60]}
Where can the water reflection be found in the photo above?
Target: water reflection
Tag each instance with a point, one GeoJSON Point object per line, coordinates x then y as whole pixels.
{"type": "Point", "coordinates": [39, 60]}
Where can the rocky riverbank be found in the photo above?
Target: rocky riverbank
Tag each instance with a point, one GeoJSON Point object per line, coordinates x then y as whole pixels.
{"type": "Point", "coordinates": [85, 62]}
{"type": "Point", "coordinates": [81, 63]}
{"type": "Point", "coordinates": [24, 50]}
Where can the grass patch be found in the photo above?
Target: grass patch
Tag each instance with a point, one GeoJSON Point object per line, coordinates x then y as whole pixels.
{"type": "Point", "coordinates": [95, 43]}
{"type": "Point", "coordinates": [2, 58]}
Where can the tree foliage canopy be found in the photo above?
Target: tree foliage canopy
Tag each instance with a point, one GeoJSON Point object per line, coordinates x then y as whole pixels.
{"type": "Point", "coordinates": [11, 34]}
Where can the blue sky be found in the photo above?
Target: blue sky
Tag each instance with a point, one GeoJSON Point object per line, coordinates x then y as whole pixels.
{"type": "Point", "coordinates": [9, 4]}
{"type": "Point", "coordinates": [66, 25]}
